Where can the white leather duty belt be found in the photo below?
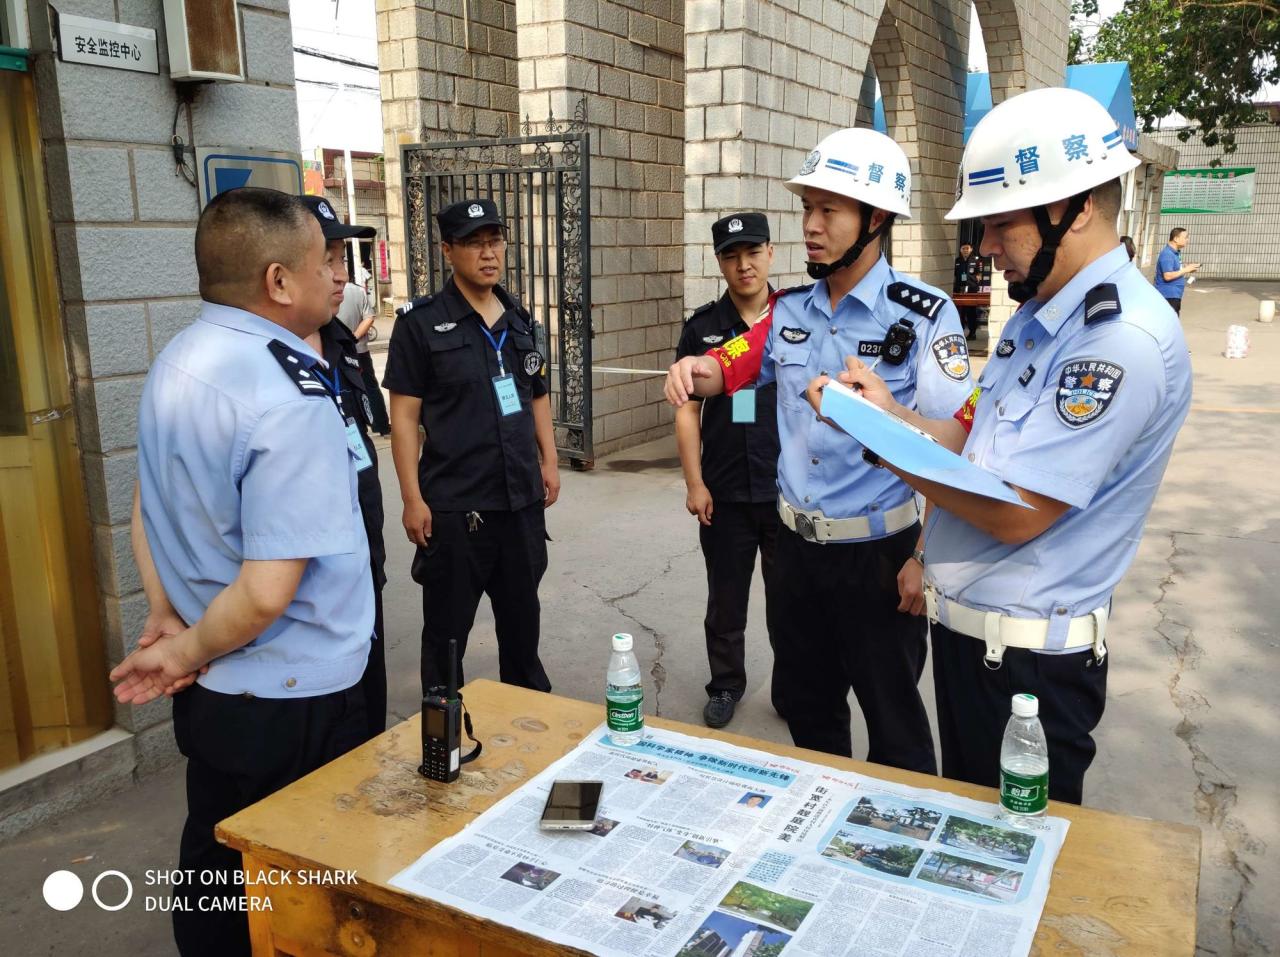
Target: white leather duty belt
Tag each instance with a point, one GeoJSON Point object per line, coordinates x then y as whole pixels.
{"type": "Point", "coordinates": [816, 527]}
{"type": "Point", "coordinates": [999, 632]}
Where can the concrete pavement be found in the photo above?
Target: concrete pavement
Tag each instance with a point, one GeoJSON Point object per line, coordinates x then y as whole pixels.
{"type": "Point", "coordinates": [1193, 700]}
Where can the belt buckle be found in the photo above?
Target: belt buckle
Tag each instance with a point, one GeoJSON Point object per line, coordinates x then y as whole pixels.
{"type": "Point", "coordinates": [804, 527]}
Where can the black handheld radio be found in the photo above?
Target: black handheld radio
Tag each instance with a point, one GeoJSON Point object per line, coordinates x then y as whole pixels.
{"type": "Point", "coordinates": [443, 719]}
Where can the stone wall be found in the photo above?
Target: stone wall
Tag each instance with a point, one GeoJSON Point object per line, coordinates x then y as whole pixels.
{"type": "Point", "coordinates": [123, 225]}
{"type": "Point", "coordinates": [441, 71]}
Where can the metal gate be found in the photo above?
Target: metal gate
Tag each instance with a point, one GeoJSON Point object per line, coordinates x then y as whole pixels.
{"type": "Point", "coordinates": [541, 183]}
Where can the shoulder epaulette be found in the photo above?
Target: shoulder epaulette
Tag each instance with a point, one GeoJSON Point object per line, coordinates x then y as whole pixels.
{"type": "Point", "coordinates": [413, 304]}
{"type": "Point", "coordinates": [1101, 302]}
{"type": "Point", "coordinates": [701, 310]}
{"type": "Point", "coordinates": [295, 366]}
{"type": "Point", "coordinates": [790, 289]}
{"type": "Point", "coordinates": [917, 300]}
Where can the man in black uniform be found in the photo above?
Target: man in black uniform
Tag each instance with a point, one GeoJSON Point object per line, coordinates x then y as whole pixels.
{"type": "Point", "coordinates": [968, 278]}
{"type": "Point", "coordinates": [337, 345]}
{"type": "Point", "coordinates": [733, 484]}
{"type": "Point", "coordinates": [463, 364]}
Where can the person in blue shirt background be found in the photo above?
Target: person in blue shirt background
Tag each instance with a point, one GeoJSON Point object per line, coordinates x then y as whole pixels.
{"type": "Point", "coordinates": [1077, 409]}
{"type": "Point", "coordinates": [848, 571]}
{"type": "Point", "coordinates": [248, 537]}
{"type": "Point", "coordinates": [1171, 275]}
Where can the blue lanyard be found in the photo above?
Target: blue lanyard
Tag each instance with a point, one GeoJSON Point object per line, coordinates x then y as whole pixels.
{"type": "Point", "coordinates": [334, 387]}
{"type": "Point", "coordinates": [497, 344]}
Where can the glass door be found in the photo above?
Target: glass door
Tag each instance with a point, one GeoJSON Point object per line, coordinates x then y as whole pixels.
{"type": "Point", "coordinates": [53, 688]}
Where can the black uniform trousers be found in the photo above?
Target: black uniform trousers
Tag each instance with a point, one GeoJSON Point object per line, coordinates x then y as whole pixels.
{"type": "Point", "coordinates": [374, 680]}
{"type": "Point", "coordinates": [504, 556]}
{"type": "Point", "coordinates": [974, 704]}
{"type": "Point", "coordinates": [729, 544]}
{"type": "Point", "coordinates": [240, 749]}
{"type": "Point", "coordinates": [842, 630]}
{"type": "Point", "coordinates": [1175, 303]}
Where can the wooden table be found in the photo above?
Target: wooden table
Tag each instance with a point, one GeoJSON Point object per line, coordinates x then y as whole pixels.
{"type": "Point", "coordinates": [979, 299]}
{"type": "Point", "coordinates": [1122, 885]}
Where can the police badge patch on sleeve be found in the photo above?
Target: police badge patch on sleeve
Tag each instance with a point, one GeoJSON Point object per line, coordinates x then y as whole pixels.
{"type": "Point", "coordinates": [952, 356]}
{"type": "Point", "coordinates": [532, 363]}
{"type": "Point", "coordinates": [1085, 389]}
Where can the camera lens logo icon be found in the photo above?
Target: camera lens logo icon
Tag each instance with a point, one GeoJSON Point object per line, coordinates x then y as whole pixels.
{"type": "Point", "coordinates": [63, 890]}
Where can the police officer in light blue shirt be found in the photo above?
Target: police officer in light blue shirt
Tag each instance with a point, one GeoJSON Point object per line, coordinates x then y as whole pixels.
{"type": "Point", "coordinates": [849, 582]}
{"type": "Point", "coordinates": [248, 536]}
{"type": "Point", "coordinates": [1077, 410]}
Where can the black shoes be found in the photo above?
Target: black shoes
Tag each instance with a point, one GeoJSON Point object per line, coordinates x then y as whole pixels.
{"type": "Point", "coordinates": [719, 710]}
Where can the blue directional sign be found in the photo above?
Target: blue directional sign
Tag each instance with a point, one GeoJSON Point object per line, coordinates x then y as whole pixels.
{"type": "Point", "coordinates": [222, 169]}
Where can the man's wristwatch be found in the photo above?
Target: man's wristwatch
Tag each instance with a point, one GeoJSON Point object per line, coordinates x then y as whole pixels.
{"type": "Point", "coordinates": [918, 555]}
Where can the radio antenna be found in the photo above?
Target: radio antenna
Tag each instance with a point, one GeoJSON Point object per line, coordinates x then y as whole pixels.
{"type": "Point", "coordinates": [451, 690]}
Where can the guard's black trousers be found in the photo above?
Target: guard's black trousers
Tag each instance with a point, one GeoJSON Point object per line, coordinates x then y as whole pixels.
{"type": "Point", "coordinates": [504, 557]}
{"type": "Point", "coordinates": [240, 749]}
{"type": "Point", "coordinates": [729, 544]}
{"type": "Point", "coordinates": [374, 680]}
{"type": "Point", "coordinates": [841, 629]}
{"type": "Point", "coordinates": [974, 704]}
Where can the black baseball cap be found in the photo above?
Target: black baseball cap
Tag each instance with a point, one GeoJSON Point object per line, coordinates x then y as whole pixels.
{"type": "Point", "coordinates": [737, 228]}
{"type": "Point", "coordinates": [459, 220]}
{"type": "Point", "coordinates": [331, 225]}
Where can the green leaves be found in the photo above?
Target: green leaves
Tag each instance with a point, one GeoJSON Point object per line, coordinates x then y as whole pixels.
{"type": "Point", "coordinates": [1204, 59]}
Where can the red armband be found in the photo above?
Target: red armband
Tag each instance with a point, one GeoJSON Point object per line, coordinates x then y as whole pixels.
{"type": "Point", "coordinates": [742, 356]}
{"type": "Point", "coordinates": [964, 414]}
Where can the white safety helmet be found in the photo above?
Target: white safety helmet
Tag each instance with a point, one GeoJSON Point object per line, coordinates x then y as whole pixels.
{"type": "Point", "coordinates": [1037, 148]}
{"type": "Point", "coordinates": [861, 164]}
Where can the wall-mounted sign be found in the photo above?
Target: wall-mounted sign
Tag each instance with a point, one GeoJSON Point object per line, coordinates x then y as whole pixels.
{"type": "Point", "coordinates": [104, 43]}
{"type": "Point", "coordinates": [384, 262]}
{"type": "Point", "coordinates": [1202, 191]}
{"type": "Point", "coordinates": [221, 168]}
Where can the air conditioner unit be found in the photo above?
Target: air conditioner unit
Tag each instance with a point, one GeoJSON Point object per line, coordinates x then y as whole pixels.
{"type": "Point", "coordinates": [204, 40]}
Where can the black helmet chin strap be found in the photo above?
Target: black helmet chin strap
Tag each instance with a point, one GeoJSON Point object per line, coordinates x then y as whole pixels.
{"type": "Point", "coordinates": [865, 236]}
{"type": "Point", "coordinates": [1050, 239]}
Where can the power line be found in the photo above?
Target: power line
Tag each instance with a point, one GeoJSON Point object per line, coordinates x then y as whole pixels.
{"type": "Point", "coordinates": [335, 57]}
{"type": "Point", "coordinates": [329, 84]}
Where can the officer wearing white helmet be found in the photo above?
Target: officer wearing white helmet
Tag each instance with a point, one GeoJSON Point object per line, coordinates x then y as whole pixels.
{"type": "Point", "coordinates": [1077, 410]}
{"type": "Point", "coordinates": [850, 530]}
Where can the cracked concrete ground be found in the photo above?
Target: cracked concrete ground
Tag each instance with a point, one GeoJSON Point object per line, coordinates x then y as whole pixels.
{"type": "Point", "coordinates": [1194, 677]}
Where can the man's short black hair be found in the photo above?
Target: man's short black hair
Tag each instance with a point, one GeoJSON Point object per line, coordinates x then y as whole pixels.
{"type": "Point", "coordinates": [242, 232]}
{"type": "Point", "coordinates": [1176, 232]}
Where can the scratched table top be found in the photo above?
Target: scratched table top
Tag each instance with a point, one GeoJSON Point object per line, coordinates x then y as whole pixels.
{"type": "Point", "coordinates": [1122, 885]}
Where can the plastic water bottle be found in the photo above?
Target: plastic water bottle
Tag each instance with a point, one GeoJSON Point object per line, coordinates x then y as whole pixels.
{"type": "Point", "coordinates": [624, 694]}
{"type": "Point", "coordinates": [1024, 764]}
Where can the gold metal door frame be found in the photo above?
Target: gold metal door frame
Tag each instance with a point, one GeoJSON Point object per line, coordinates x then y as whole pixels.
{"type": "Point", "coordinates": [53, 689]}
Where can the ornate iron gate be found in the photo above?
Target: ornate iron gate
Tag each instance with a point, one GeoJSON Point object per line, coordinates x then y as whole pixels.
{"type": "Point", "coordinates": [541, 184]}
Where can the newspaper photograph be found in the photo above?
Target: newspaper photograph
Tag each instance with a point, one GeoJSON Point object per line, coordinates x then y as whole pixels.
{"type": "Point", "coordinates": [705, 849]}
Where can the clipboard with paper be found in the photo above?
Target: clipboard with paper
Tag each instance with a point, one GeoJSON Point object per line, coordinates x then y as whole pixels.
{"type": "Point", "coordinates": [908, 448]}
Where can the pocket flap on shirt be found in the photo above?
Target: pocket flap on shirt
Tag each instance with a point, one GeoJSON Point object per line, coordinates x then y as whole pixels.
{"type": "Point", "coordinates": [788, 354]}
{"type": "Point", "coordinates": [444, 341]}
{"type": "Point", "coordinates": [1015, 406]}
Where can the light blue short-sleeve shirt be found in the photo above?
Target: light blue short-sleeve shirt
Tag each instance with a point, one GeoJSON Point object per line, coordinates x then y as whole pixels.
{"type": "Point", "coordinates": [236, 463]}
{"type": "Point", "coordinates": [1081, 402]}
{"type": "Point", "coordinates": [821, 468]}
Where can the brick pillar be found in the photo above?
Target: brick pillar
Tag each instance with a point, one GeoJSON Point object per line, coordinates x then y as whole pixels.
{"type": "Point", "coordinates": [627, 60]}
{"type": "Point", "coordinates": [919, 53]}
{"type": "Point", "coordinates": [765, 82]}
{"type": "Point", "coordinates": [444, 66]}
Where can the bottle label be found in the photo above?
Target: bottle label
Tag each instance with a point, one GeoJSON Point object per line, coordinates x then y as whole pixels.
{"type": "Point", "coordinates": [1024, 793]}
{"type": "Point", "coordinates": [624, 710]}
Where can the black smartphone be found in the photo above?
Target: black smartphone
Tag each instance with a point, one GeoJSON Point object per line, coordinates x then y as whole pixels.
{"type": "Point", "coordinates": [572, 806]}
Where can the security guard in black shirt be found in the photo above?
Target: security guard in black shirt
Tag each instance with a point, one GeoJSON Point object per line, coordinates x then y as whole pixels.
{"type": "Point", "coordinates": [733, 485]}
{"type": "Point", "coordinates": [463, 364]}
{"type": "Point", "coordinates": [338, 347]}
{"type": "Point", "coordinates": [969, 278]}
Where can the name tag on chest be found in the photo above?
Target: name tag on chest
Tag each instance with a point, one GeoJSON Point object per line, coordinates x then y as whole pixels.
{"type": "Point", "coordinates": [355, 445]}
{"type": "Point", "coordinates": [504, 387]}
{"type": "Point", "coordinates": [744, 406]}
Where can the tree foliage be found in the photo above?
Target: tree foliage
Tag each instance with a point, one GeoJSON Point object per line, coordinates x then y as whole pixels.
{"type": "Point", "coordinates": [1204, 59]}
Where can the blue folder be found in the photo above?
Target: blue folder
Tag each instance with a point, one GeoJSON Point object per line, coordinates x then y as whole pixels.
{"type": "Point", "coordinates": [909, 449]}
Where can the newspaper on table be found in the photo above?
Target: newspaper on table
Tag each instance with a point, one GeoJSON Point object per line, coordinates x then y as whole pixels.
{"type": "Point", "coordinates": [708, 849]}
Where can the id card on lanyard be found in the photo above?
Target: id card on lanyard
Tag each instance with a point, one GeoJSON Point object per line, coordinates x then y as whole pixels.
{"type": "Point", "coordinates": [355, 441]}
{"type": "Point", "coordinates": [504, 383]}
